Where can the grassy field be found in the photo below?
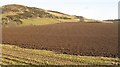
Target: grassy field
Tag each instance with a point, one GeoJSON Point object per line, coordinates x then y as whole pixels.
{"type": "Point", "coordinates": [68, 20]}
{"type": "Point", "coordinates": [44, 21]}
{"type": "Point", "coordinates": [40, 21]}
{"type": "Point", "coordinates": [13, 55]}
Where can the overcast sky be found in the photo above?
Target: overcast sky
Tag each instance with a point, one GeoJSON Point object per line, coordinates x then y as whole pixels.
{"type": "Point", "coordinates": [94, 9]}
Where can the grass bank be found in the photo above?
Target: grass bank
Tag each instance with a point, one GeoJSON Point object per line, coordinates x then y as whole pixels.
{"type": "Point", "coordinates": [13, 55]}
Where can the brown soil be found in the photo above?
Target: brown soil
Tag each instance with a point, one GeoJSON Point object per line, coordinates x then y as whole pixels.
{"type": "Point", "coordinates": [89, 39]}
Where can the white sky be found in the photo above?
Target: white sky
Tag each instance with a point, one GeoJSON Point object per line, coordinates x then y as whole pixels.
{"type": "Point", "coordinates": [94, 9]}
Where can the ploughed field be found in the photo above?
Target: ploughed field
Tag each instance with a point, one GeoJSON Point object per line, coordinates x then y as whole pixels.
{"type": "Point", "coordinates": [86, 39]}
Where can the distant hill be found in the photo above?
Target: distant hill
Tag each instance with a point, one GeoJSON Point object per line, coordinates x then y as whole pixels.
{"type": "Point", "coordinates": [14, 14]}
{"type": "Point", "coordinates": [113, 20]}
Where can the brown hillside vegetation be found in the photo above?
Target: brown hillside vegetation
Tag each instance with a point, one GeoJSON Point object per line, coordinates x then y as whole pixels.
{"type": "Point", "coordinates": [98, 39]}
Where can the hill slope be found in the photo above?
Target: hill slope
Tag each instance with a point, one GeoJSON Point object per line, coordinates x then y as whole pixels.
{"type": "Point", "coordinates": [11, 15]}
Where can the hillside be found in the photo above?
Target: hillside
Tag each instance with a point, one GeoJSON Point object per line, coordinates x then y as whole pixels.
{"type": "Point", "coordinates": [11, 15]}
{"type": "Point", "coordinates": [19, 15]}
